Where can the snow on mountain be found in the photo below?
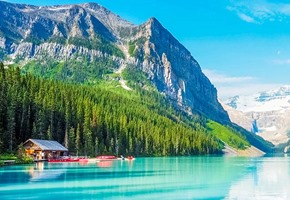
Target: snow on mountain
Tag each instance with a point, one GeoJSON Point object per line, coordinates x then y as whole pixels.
{"type": "Point", "coordinates": [268, 112]}
{"type": "Point", "coordinates": [274, 100]}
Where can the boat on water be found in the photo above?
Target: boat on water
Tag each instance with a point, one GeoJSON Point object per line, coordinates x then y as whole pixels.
{"type": "Point", "coordinates": [104, 158]}
{"type": "Point", "coordinates": [129, 158]}
{"type": "Point", "coordinates": [64, 159]}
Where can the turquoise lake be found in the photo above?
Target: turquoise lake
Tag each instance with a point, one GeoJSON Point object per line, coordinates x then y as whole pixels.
{"type": "Point", "coordinates": [151, 178]}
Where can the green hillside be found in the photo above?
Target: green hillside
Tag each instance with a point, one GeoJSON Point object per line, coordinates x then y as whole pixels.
{"type": "Point", "coordinates": [228, 135]}
{"type": "Point", "coordinates": [104, 118]}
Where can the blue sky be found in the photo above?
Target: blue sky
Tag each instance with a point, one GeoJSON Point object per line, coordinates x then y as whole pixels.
{"type": "Point", "coordinates": [242, 46]}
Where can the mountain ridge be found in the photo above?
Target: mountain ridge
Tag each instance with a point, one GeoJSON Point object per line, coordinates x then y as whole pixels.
{"type": "Point", "coordinates": [60, 32]}
{"type": "Point", "coordinates": [31, 15]}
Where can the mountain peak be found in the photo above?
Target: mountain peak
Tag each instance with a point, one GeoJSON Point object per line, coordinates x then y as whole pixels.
{"type": "Point", "coordinates": [93, 5]}
{"type": "Point", "coordinates": [153, 23]}
{"type": "Point", "coordinates": [94, 32]}
{"type": "Point", "coordinates": [153, 20]}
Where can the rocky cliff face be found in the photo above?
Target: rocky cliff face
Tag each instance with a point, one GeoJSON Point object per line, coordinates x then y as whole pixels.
{"type": "Point", "coordinates": [90, 30]}
{"type": "Point", "coordinates": [174, 71]}
{"type": "Point", "coordinates": [85, 20]}
{"type": "Point", "coordinates": [28, 32]}
{"type": "Point", "coordinates": [239, 117]}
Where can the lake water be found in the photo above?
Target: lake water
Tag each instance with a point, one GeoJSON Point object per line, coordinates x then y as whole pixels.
{"type": "Point", "coordinates": [151, 178]}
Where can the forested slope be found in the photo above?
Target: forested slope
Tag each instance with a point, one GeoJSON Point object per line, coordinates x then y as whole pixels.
{"type": "Point", "coordinates": [91, 120]}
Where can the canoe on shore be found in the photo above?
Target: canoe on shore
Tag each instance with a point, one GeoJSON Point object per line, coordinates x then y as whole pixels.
{"type": "Point", "coordinates": [57, 160]}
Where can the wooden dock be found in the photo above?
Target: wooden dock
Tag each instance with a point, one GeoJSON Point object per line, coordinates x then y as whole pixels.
{"type": "Point", "coordinates": [40, 160]}
{"type": "Point", "coordinates": [9, 162]}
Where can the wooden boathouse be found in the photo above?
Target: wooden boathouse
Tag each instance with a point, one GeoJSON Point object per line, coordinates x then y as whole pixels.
{"type": "Point", "coordinates": [44, 149]}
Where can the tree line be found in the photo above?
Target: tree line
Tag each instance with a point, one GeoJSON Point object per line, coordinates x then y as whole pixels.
{"type": "Point", "coordinates": [91, 120]}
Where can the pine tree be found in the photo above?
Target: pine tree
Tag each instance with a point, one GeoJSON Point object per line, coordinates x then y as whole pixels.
{"type": "Point", "coordinates": [77, 140]}
{"type": "Point", "coordinates": [49, 134]}
{"type": "Point", "coordinates": [3, 106]}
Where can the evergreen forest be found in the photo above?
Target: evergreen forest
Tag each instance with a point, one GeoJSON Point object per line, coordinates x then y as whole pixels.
{"type": "Point", "coordinates": [102, 119]}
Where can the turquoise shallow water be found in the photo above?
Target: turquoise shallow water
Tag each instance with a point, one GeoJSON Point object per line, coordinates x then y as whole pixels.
{"type": "Point", "coordinates": [151, 178]}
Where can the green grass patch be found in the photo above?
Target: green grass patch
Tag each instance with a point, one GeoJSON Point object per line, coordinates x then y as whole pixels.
{"type": "Point", "coordinates": [77, 70]}
{"type": "Point", "coordinates": [33, 40]}
{"type": "Point", "coordinates": [7, 156]}
{"type": "Point", "coordinates": [19, 159]}
{"type": "Point", "coordinates": [137, 79]}
{"type": "Point", "coordinates": [228, 135]}
{"type": "Point", "coordinates": [131, 50]}
{"type": "Point", "coordinates": [133, 46]}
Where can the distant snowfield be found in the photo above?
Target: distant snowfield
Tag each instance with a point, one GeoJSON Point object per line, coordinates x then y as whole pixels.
{"type": "Point", "coordinates": [273, 100]}
{"type": "Point", "coordinates": [58, 8]}
{"type": "Point", "coordinates": [249, 104]}
{"type": "Point", "coordinates": [270, 109]}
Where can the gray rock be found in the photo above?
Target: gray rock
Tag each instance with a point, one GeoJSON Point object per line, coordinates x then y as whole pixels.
{"type": "Point", "coordinates": [175, 72]}
{"type": "Point", "coordinates": [33, 32]}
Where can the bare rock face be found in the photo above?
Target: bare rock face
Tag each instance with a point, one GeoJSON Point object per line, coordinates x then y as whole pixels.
{"type": "Point", "coordinates": [2, 42]}
{"type": "Point", "coordinates": [55, 51]}
{"type": "Point", "coordinates": [238, 117]}
{"type": "Point", "coordinates": [32, 32]}
{"type": "Point", "coordinates": [84, 20]}
{"type": "Point", "coordinates": [175, 72]}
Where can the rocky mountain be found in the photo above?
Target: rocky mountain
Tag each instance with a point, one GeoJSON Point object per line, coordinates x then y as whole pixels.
{"type": "Point", "coordinates": [32, 36]}
{"type": "Point", "coordinates": [238, 117]}
{"type": "Point", "coordinates": [267, 112]}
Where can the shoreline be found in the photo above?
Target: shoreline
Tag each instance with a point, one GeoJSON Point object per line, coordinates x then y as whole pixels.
{"type": "Point", "coordinates": [249, 152]}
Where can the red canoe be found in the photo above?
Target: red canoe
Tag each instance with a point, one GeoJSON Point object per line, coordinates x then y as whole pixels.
{"type": "Point", "coordinates": [57, 160]}
{"type": "Point", "coordinates": [83, 160]}
{"type": "Point", "coordinates": [106, 157]}
{"type": "Point", "coordinates": [130, 158]}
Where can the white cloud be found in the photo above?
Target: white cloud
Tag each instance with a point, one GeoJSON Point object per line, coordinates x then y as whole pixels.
{"type": "Point", "coordinates": [246, 18]}
{"type": "Point", "coordinates": [216, 77]}
{"type": "Point", "coordinates": [225, 92]}
{"type": "Point", "coordinates": [254, 11]}
{"type": "Point", "coordinates": [229, 86]}
{"type": "Point", "coordinates": [282, 62]}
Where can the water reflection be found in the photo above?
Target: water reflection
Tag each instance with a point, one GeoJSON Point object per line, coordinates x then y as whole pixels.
{"type": "Point", "coordinates": [105, 163]}
{"type": "Point", "coordinates": [191, 177]}
{"type": "Point", "coordinates": [151, 178]}
{"type": "Point", "coordinates": [39, 173]}
{"type": "Point", "coordinates": [270, 180]}
{"type": "Point", "coordinates": [114, 163]}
